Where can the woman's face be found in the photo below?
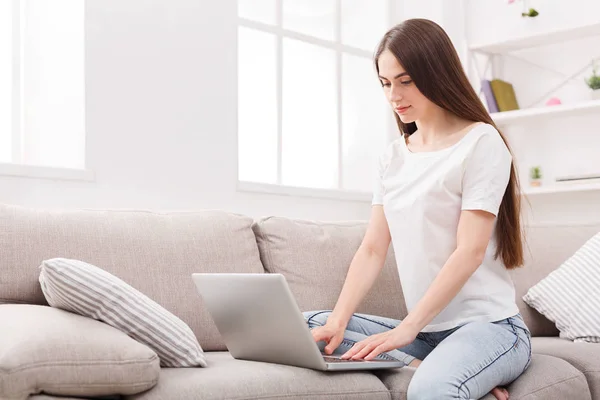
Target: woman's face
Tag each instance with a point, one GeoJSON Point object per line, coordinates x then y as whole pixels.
{"type": "Point", "coordinates": [406, 100]}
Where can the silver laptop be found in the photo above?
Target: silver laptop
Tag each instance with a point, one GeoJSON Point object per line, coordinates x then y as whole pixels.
{"type": "Point", "coordinates": [259, 320]}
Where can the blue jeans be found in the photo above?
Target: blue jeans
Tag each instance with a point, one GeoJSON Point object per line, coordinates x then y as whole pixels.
{"type": "Point", "coordinates": [465, 362]}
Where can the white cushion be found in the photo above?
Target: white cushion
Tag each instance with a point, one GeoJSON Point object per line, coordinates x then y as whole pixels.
{"type": "Point", "coordinates": [569, 296]}
{"type": "Point", "coordinates": [87, 290]}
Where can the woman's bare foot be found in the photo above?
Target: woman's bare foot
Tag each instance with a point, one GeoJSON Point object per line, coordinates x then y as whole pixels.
{"type": "Point", "coordinates": [415, 363]}
{"type": "Point", "coordinates": [500, 393]}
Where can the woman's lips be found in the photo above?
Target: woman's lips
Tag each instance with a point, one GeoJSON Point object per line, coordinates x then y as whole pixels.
{"type": "Point", "coordinates": [402, 110]}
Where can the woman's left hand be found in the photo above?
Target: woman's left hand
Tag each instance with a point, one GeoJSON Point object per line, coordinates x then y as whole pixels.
{"type": "Point", "coordinates": [374, 345]}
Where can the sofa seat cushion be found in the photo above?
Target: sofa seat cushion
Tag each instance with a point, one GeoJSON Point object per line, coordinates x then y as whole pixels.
{"type": "Point", "coordinates": [315, 256]}
{"type": "Point", "coordinates": [228, 378]}
{"type": "Point", "coordinates": [49, 397]}
{"type": "Point", "coordinates": [155, 252]}
{"type": "Point", "coordinates": [583, 356]}
{"type": "Point", "coordinates": [547, 378]}
{"type": "Point", "coordinates": [43, 349]}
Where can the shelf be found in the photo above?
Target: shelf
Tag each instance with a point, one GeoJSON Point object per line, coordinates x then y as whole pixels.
{"type": "Point", "coordinates": [562, 188]}
{"type": "Point", "coordinates": [561, 110]}
{"type": "Point", "coordinates": [538, 39]}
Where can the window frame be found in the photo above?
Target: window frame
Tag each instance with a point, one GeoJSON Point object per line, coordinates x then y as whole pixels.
{"type": "Point", "coordinates": [340, 49]}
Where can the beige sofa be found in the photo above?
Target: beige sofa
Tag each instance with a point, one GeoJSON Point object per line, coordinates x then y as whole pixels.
{"type": "Point", "coordinates": [156, 252]}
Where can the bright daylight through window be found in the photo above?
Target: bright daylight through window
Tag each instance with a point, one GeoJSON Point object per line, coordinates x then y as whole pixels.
{"type": "Point", "coordinates": [42, 116]}
{"type": "Point", "coordinates": [311, 112]}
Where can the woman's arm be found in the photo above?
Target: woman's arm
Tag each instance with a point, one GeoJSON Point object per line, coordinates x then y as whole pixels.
{"type": "Point", "coordinates": [364, 268]}
{"type": "Point", "coordinates": [474, 232]}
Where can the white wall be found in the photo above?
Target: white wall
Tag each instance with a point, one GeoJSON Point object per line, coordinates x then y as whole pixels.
{"type": "Point", "coordinates": [161, 110]}
{"type": "Point", "coordinates": [161, 116]}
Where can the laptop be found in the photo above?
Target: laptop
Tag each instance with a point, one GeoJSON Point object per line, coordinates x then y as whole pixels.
{"type": "Point", "coordinates": [259, 320]}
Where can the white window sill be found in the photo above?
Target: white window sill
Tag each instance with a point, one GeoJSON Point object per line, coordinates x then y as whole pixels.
{"type": "Point", "coordinates": [54, 173]}
{"type": "Point", "coordinates": [330, 194]}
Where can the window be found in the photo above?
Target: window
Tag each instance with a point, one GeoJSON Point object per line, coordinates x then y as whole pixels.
{"type": "Point", "coordinates": [42, 83]}
{"type": "Point", "coordinates": [311, 112]}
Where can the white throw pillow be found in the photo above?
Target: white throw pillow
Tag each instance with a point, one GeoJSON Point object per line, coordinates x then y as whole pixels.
{"type": "Point", "coordinates": [87, 290]}
{"type": "Point", "coordinates": [570, 296]}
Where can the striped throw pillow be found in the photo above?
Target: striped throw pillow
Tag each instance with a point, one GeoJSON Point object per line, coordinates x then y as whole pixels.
{"type": "Point", "coordinates": [569, 296]}
{"type": "Point", "coordinates": [87, 290]}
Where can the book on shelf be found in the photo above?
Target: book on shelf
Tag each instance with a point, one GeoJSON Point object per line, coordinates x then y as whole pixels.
{"type": "Point", "coordinates": [486, 88]}
{"type": "Point", "coordinates": [504, 94]}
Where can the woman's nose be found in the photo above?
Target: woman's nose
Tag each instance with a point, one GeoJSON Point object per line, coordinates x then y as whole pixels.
{"type": "Point", "coordinates": [395, 95]}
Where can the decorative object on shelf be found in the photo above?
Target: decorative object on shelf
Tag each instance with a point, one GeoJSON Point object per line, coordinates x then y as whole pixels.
{"type": "Point", "coordinates": [554, 101]}
{"type": "Point", "coordinates": [527, 11]}
{"type": "Point", "coordinates": [486, 88]}
{"type": "Point", "coordinates": [504, 94]}
{"type": "Point", "coordinates": [594, 82]}
{"type": "Point", "coordinates": [535, 176]}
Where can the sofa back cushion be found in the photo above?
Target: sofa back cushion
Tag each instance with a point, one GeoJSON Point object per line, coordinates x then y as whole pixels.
{"type": "Point", "coordinates": [154, 252]}
{"type": "Point", "coordinates": [546, 247]}
{"type": "Point", "coordinates": [314, 257]}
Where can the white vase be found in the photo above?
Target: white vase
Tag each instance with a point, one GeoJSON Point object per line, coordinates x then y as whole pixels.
{"type": "Point", "coordinates": [596, 94]}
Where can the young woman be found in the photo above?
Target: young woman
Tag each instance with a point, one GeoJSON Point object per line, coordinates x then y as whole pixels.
{"type": "Point", "coordinates": [447, 198]}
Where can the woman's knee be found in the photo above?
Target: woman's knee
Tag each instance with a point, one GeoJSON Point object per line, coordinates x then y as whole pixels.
{"type": "Point", "coordinates": [316, 318]}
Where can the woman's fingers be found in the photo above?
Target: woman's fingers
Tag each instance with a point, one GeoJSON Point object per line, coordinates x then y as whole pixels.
{"type": "Point", "coordinates": [358, 346]}
{"type": "Point", "coordinates": [363, 351]}
{"type": "Point", "coordinates": [319, 334]}
{"type": "Point", "coordinates": [364, 347]}
{"type": "Point", "coordinates": [333, 344]}
{"type": "Point", "coordinates": [375, 352]}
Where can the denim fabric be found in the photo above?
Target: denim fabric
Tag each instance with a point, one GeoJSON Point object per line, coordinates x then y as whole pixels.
{"type": "Point", "coordinates": [465, 362]}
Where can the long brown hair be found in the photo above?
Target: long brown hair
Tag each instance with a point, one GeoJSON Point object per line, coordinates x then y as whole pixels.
{"type": "Point", "coordinates": [426, 52]}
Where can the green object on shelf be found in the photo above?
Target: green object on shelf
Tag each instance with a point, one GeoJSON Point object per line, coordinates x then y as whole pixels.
{"type": "Point", "coordinates": [593, 81]}
{"type": "Point", "coordinates": [531, 13]}
{"type": "Point", "coordinates": [535, 173]}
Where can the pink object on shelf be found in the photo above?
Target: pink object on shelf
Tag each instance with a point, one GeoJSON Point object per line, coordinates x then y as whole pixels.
{"type": "Point", "coordinates": [553, 101]}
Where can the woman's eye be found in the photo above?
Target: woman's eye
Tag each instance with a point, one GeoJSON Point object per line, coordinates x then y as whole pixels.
{"type": "Point", "coordinates": [385, 84]}
{"type": "Point", "coordinates": [406, 82]}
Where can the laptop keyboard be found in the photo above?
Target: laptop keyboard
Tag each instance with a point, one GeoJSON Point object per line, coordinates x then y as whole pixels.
{"type": "Point", "coordinates": [338, 360]}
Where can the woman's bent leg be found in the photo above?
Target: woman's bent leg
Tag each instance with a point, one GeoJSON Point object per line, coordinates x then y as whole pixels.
{"type": "Point", "coordinates": [473, 360]}
{"type": "Point", "coordinates": [362, 326]}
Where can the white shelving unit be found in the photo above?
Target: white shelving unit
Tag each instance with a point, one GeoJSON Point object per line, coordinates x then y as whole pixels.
{"type": "Point", "coordinates": [563, 110]}
{"type": "Point", "coordinates": [537, 39]}
{"type": "Point", "coordinates": [562, 188]}
{"type": "Point", "coordinates": [493, 50]}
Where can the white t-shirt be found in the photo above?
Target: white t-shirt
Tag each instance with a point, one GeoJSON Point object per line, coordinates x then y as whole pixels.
{"type": "Point", "coordinates": [422, 195]}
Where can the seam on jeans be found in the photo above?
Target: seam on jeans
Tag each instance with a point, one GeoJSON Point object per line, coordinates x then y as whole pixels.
{"type": "Point", "coordinates": [493, 361]}
{"type": "Point", "coordinates": [554, 384]}
{"type": "Point", "coordinates": [303, 395]}
{"type": "Point", "coordinates": [515, 327]}
{"type": "Point", "coordinates": [530, 350]}
{"type": "Point", "coordinates": [308, 321]}
{"type": "Point", "coordinates": [376, 322]}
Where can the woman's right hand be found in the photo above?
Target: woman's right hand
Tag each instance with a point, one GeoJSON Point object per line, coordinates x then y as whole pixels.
{"type": "Point", "coordinates": [332, 333]}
